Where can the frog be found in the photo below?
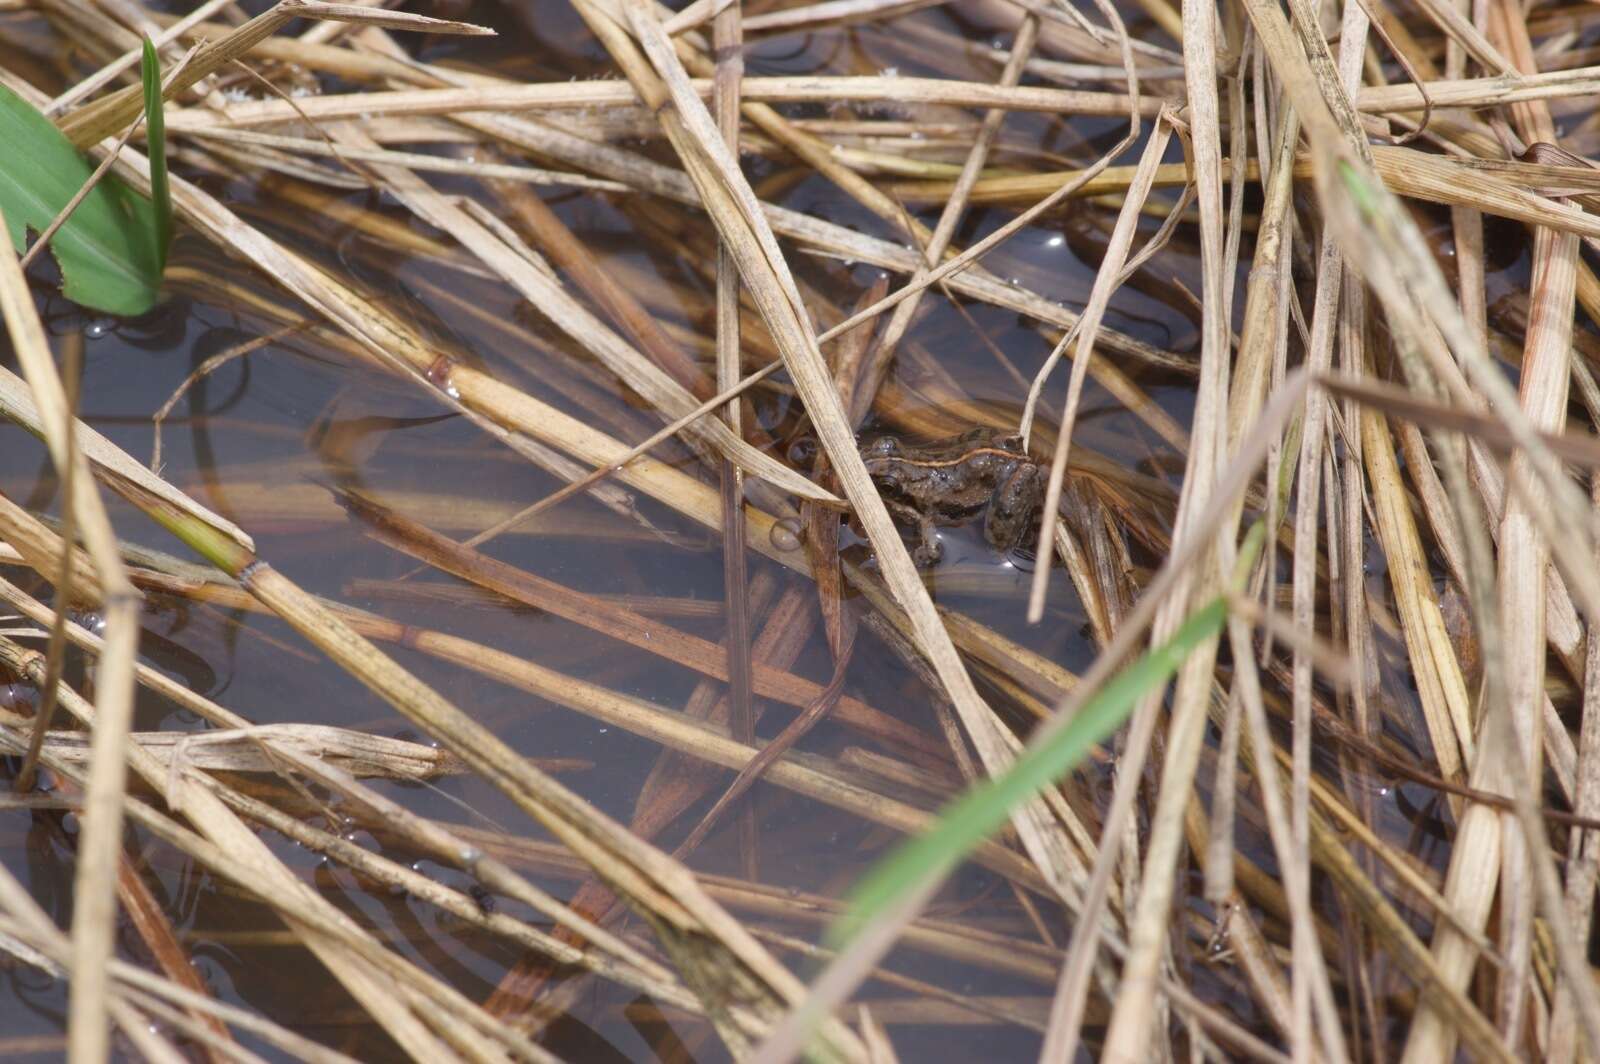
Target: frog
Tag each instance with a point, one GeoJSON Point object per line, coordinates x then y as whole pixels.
{"type": "Point", "coordinates": [951, 481]}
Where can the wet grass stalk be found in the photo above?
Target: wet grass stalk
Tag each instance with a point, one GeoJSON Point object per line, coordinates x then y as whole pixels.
{"type": "Point", "coordinates": [94, 920]}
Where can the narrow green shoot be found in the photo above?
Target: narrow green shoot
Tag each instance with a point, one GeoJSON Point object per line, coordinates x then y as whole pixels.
{"type": "Point", "coordinates": [981, 812]}
{"type": "Point", "coordinates": [156, 148]}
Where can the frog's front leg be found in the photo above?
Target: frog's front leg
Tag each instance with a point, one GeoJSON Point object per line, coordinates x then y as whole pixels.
{"type": "Point", "coordinates": [1011, 510]}
{"type": "Point", "coordinates": [928, 549]}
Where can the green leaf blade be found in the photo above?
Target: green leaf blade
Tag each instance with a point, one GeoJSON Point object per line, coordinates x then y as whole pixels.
{"type": "Point", "coordinates": [155, 124]}
{"type": "Point", "coordinates": [106, 250]}
{"type": "Point", "coordinates": [980, 813]}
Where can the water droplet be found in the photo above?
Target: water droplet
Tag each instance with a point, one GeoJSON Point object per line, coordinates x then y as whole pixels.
{"type": "Point", "coordinates": [785, 534]}
{"type": "Point", "coordinates": [98, 328]}
{"type": "Point", "coordinates": [1056, 241]}
{"type": "Point", "coordinates": [441, 376]}
{"type": "Point", "coordinates": [604, 730]}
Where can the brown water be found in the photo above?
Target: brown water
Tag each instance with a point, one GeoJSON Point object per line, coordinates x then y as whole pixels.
{"type": "Point", "coordinates": [260, 438]}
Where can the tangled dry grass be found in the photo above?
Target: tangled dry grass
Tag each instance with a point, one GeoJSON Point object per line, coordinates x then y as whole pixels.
{"type": "Point", "coordinates": [1364, 421]}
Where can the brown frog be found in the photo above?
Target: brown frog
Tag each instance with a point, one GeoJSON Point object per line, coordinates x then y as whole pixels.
{"type": "Point", "coordinates": [948, 482]}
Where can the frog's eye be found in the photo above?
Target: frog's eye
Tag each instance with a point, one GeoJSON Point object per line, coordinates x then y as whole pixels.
{"type": "Point", "coordinates": [882, 447]}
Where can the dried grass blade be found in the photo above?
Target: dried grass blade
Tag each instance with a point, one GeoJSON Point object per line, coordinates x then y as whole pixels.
{"type": "Point", "coordinates": [568, 96]}
{"type": "Point", "coordinates": [1134, 1017]}
{"type": "Point", "coordinates": [1580, 448]}
{"type": "Point", "coordinates": [1105, 283]}
{"type": "Point", "coordinates": [357, 15]}
{"type": "Point", "coordinates": [641, 374]}
{"type": "Point", "coordinates": [739, 218]}
{"type": "Point", "coordinates": [717, 954]}
{"type": "Point", "coordinates": [1072, 990]}
{"type": "Point", "coordinates": [95, 906]}
{"type": "Point", "coordinates": [94, 889]}
{"type": "Point", "coordinates": [728, 53]}
{"type": "Point", "coordinates": [19, 406]}
{"type": "Point", "coordinates": [94, 122]}
{"type": "Point", "coordinates": [612, 620]}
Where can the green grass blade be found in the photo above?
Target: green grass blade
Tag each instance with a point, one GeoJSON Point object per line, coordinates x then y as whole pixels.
{"type": "Point", "coordinates": [156, 146]}
{"type": "Point", "coordinates": [981, 812]}
{"type": "Point", "coordinates": [106, 248]}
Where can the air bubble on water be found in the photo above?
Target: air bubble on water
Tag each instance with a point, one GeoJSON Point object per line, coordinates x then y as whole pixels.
{"type": "Point", "coordinates": [1056, 241]}
{"type": "Point", "coordinates": [98, 328]}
